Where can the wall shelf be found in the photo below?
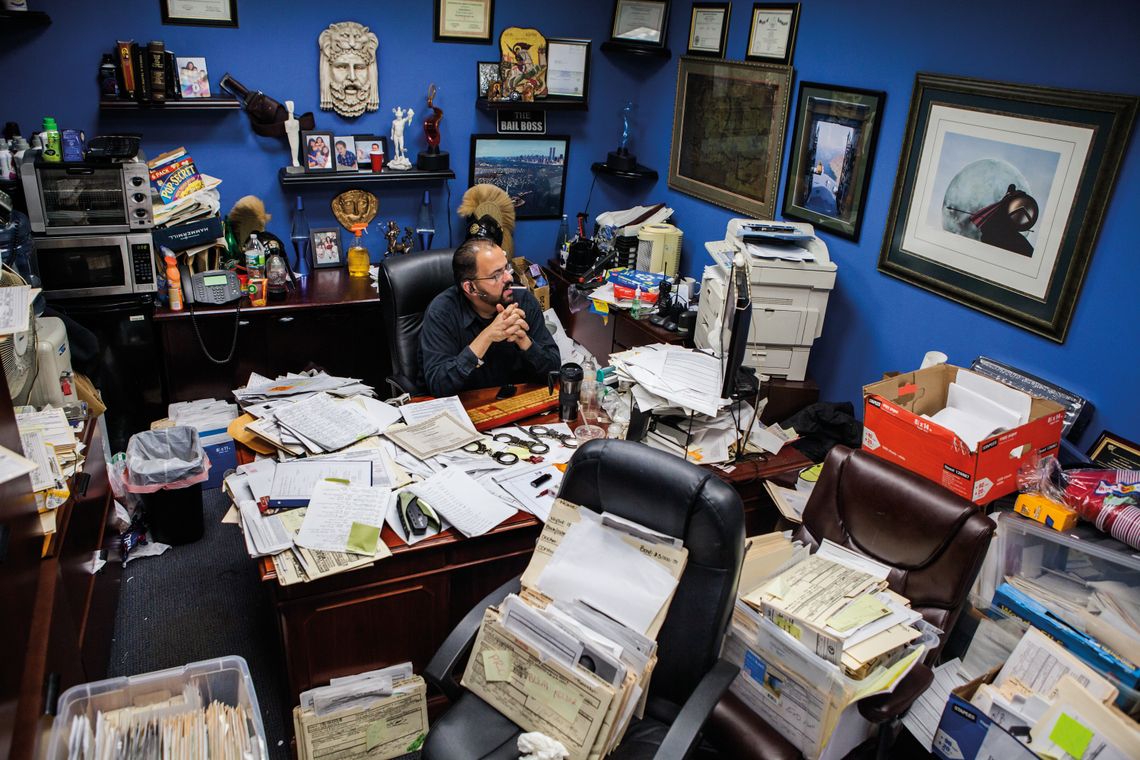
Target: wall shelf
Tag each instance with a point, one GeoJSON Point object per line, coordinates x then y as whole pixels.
{"type": "Point", "coordinates": [386, 177]}
{"type": "Point", "coordinates": [544, 104]}
{"type": "Point", "coordinates": [641, 172]}
{"type": "Point", "coordinates": [638, 50]}
{"type": "Point", "coordinates": [11, 21]}
{"type": "Point", "coordinates": [187, 104]}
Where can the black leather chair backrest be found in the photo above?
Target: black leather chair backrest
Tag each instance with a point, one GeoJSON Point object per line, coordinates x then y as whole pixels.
{"type": "Point", "coordinates": [408, 283]}
{"type": "Point", "coordinates": [678, 498]}
{"type": "Point", "coordinates": [934, 540]}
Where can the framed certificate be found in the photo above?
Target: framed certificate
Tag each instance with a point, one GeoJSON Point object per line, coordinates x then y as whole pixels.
{"type": "Point", "coordinates": [640, 23]}
{"type": "Point", "coordinates": [568, 72]}
{"type": "Point", "coordinates": [773, 35]}
{"type": "Point", "coordinates": [1110, 450]}
{"type": "Point", "coordinates": [200, 12]}
{"type": "Point", "coordinates": [708, 29]}
{"type": "Point", "coordinates": [463, 21]}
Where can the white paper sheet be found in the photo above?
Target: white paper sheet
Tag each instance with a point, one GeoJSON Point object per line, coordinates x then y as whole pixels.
{"type": "Point", "coordinates": [832, 551]}
{"type": "Point", "coordinates": [393, 519]}
{"type": "Point", "coordinates": [265, 535]}
{"type": "Point", "coordinates": [454, 494]}
{"type": "Point", "coordinates": [333, 509]}
{"type": "Point", "coordinates": [422, 410]}
{"type": "Point", "coordinates": [377, 411]}
{"type": "Point", "coordinates": [293, 482]}
{"type": "Point", "coordinates": [431, 437]}
{"type": "Point", "coordinates": [14, 311]}
{"type": "Point", "coordinates": [926, 713]}
{"type": "Point", "coordinates": [537, 500]}
{"type": "Point", "coordinates": [13, 465]}
{"type": "Point", "coordinates": [328, 423]}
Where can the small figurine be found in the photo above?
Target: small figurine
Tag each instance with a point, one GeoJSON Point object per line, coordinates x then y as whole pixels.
{"type": "Point", "coordinates": [621, 159]}
{"type": "Point", "coordinates": [397, 247]}
{"type": "Point", "coordinates": [433, 159]}
{"type": "Point", "coordinates": [293, 133]}
{"type": "Point", "coordinates": [400, 157]}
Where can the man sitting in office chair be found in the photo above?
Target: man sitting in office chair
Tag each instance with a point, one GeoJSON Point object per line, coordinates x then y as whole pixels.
{"type": "Point", "coordinates": [479, 333]}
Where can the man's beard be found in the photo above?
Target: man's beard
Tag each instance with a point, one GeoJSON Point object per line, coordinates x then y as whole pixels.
{"type": "Point", "coordinates": [348, 100]}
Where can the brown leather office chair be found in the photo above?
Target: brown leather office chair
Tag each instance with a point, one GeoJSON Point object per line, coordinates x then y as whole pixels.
{"type": "Point", "coordinates": [934, 540]}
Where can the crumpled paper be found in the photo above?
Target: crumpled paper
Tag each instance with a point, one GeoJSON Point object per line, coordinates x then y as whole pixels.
{"type": "Point", "coordinates": [539, 746]}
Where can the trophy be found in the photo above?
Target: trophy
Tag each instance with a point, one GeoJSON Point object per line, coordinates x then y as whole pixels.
{"type": "Point", "coordinates": [433, 159]}
{"type": "Point", "coordinates": [621, 159]}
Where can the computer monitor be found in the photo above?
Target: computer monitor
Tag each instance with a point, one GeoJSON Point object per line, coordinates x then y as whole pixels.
{"type": "Point", "coordinates": [735, 325]}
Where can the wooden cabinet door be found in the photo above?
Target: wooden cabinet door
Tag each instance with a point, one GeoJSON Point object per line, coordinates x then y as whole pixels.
{"type": "Point", "coordinates": [190, 374]}
{"type": "Point", "coordinates": [345, 341]}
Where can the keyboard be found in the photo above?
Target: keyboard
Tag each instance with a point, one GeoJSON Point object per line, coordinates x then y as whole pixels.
{"type": "Point", "coordinates": [504, 411]}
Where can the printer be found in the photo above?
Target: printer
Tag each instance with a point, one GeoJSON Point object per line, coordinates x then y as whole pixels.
{"type": "Point", "coordinates": [791, 276]}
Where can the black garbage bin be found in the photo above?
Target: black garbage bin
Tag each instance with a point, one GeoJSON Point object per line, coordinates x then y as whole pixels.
{"type": "Point", "coordinates": [173, 461]}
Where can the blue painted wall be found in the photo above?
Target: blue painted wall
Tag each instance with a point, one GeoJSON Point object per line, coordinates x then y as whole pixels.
{"type": "Point", "coordinates": [874, 323]}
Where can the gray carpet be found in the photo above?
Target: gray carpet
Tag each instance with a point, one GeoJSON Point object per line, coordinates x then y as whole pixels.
{"type": "Point", "coordinates": [201, 601]}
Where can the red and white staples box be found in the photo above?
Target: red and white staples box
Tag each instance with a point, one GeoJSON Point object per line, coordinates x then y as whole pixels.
{"type": "Point", "coordinates": [894, 429]}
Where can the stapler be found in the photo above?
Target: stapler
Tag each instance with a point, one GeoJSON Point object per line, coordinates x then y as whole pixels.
{"type": "Point", "coordinates": [416, 516]}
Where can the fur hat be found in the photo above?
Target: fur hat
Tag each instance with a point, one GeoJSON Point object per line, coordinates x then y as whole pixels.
{"type": "Point", "coordinates": [487, 200]}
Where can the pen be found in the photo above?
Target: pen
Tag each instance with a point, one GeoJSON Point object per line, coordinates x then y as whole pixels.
{"type": "Point", "coordinates": [540, 480]}
{"type": "Point", "coordinates": [544, 492]}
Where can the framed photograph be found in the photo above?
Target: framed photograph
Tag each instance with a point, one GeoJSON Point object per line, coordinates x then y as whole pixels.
{"type": "Point", "coordinates": [772, 37]}
{"type": "Point", "coordinates": [200, 12]}
{"type": "Point", "coordinates": [344, 153]}
{"type": "Point", "coordinates": [317, 151]}
{"type": "Point", "coordinates": [836, 129]}
{"type": "Point", "coordinates": [529, 168]}
{"type": "Point", "coordinates": [193, 79]}
{"type": "Point", "coordinates": [464, 21]}
{"type": "Point", "coordinates": [366, 145]}
{"type": "Point", "coordinates": [325, 245]}
{"type": "Point", "coordinates": [486, 72]}
{"type": "Point", "coordinates": [708, 29]}
{"type": "Point", "coordinates": [728, 133]}
{"type": "Point", "coordinates": [1000, 193]}
{"type": "Point", "coordinates": [640, 23]}
{"type": "Point", "coordinates": [568, 68]}
{"type": "Point", "coordinates": [1114, 452]}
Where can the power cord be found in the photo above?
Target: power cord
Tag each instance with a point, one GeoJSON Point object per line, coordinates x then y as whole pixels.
{"type": "Point", "coordinates": [202, 344]}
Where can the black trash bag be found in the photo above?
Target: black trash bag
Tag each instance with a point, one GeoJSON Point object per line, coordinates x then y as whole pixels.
{"type": "Point", "coordinates": [824, 424]}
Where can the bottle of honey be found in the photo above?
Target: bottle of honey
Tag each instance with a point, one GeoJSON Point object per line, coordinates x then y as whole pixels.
{"type": "Point", "coordinates": [358, 259]}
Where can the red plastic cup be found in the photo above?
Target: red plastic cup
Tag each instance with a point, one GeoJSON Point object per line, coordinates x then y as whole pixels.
{"type": "Point", "coordinates": [377, 161]}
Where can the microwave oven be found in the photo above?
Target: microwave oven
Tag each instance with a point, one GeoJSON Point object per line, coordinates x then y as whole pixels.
{"type": "Point", "coordinates": [80, 266]}
{"type": "Point", "coordinates": [86, 197]}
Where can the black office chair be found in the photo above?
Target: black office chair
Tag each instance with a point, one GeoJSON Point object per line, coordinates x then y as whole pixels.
{"type": "Point", "coordinates": [408, 283]}
{"type": "Point", "coordinates": [669, 495]}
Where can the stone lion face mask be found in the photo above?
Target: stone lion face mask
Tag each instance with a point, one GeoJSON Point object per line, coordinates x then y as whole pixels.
{"type": "Point", "coordinates": [348, 69]}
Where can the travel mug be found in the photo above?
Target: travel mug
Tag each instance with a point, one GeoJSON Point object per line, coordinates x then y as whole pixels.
{"type": "Point", "coordinates": [569, 380]}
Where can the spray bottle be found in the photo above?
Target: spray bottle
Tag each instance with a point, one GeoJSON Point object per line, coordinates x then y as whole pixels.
{"type": "Point", "coordinates": [173, 283]}
{"type": "Point", "coordinates": [358, 259]}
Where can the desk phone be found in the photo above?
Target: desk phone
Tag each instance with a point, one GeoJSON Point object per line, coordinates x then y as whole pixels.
{"type": "Point", "coordinates": [217, 287]}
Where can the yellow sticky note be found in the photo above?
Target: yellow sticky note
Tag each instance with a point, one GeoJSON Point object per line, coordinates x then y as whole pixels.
{"type": "Point", "coordinates": [860, 612]}
{"type": "Point", "coordinates": [377, 734]}
{"type": "Point", "coordinates": [1071, 736]}
{"type": "Point", "coordinates": [363, 539]}
{"type": "Point", "coordinates": [497, 664]}
{"type": "Point", "coordinates": [543, 688]}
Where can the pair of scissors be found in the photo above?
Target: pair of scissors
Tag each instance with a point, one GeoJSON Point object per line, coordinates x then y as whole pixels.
{"type": "Point", "coordinates": [542, 431]}
{"type": "Point", "coordinates": [502, 457]}
{"type": "Point", "coordinates": [534, 447]}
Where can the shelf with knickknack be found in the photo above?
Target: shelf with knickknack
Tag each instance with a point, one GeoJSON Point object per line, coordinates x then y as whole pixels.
{"type": "Point", "coordinates": [17, 21]}
{"type": "Point", "coordinates": [644, 51]}
{"type": "Point", "coordinates": [386, 177]}
{"type": "Point", "coordinates": [640, 172]}
{"type": "Point", "coordinates": [187, 104]}
{"type": "Point", "coordinates": [542, 104]}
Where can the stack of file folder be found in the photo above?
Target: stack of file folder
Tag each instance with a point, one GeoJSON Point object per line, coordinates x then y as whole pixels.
{"type": "Point", "coordinates": [49, 440]}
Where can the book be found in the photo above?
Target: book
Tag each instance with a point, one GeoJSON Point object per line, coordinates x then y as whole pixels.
{"type": "Point", "coordinates": [125, 63]}
{"type": "Point", "coordinates": [174, 176]}
{"type": "Point", "coordinates": [173, 91]}
{"type": "Point", "coordinates": [156, 70]}
{"type": "Point", "coordinates": [193, 79]}
{"type": "Point", "coordinates": [142, 77]}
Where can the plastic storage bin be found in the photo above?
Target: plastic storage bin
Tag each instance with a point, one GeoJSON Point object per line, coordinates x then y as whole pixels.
{"type": "Point", "coordinates": [225, 679]}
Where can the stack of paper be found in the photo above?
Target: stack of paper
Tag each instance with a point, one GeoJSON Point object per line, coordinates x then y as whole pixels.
{"type": "Point", "coordinates": [302, 385]}
{"type": "Point", "coordinates": [49, 441]}
{"type": "Point", "coordinates": [673, 376]}
{"type": "Point", "coordinates": [572, 655]}
{"type": "Point", "coordinates": [978, 407]}
{"type": "Point", "coordinates": [211, 418]}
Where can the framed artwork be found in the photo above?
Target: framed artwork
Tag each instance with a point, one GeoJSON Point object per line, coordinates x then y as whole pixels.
{"type": "Point", "coordinates": [316, 150]}
{"type": "Point", "coordinates": [1114, 452]}
{"type": "Point", "coordinates": [486, 72]}
{"type": "Point", "coordinates": [1000, 193]}
{"type": "Point", "coordinates": [464, 21]}
{"type": "Point", "coordinates": [200, 12]}
{"type": "Point", "coordinates": [325, 245]}
{"type": "Point", "coordinates": [568, 68]}
{"type": "Point", "coordinates": [366, 145]}
{"type": "Point", "coordinates": [344, 153]}
{"type": "Point", "coordinates": [708, 29]}
{"type": "Point", "coordinates": [772, 37]}
{"type": "Point", "coordinates": [728, 133]}
{"type": "Point", "coordinates": [836, 129]}
{"type": "Point", "coordinates": [640, 23]}
{"type": "Point", "coordinates": [529, 168]}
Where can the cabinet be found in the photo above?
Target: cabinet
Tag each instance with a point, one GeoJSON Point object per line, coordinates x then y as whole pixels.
{"type": "Point", "coordinates": [333, 322]}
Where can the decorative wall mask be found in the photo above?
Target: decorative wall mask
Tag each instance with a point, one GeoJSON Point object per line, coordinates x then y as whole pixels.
{"type": "Point", "coordinates": [348, 69]}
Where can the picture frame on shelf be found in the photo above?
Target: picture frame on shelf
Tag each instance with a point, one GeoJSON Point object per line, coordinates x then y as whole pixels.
{"type": "Point", "coordinates": [326, 248]}
{"type": "Point", "coordinates": [568, 68]}
{"type": "Point", "coordinates": [640, 23]}
{"type": "Point", "coordinates": [833, 148]}
{"type": "Point", "coordinates": [729, 122]}
{"type": "Point", "coordinates": [485, 73]}
{"type": "Point", "coordinates": [200, 12]}
{"type": "Point", "coordinates": [344, 153]}
{"type": "Point", "coordinates": [1000, 193]}
{"type": "Point", "coordinates": [531, 169]}
{"type": "Point", "coordinates": [317, 152]}
{"type": "Point", "coordinates": [364, 148]}
{"type": "Point", "coordinates": [708, 29]}
{"type": "Point", "coordinates": [772, 36]}
{"type": "Point", "coordinates": [523, 62]}
{"type": "Point", "coordinates": [193, 77]}
{"type": "Point", "coordinates": [463, 21]}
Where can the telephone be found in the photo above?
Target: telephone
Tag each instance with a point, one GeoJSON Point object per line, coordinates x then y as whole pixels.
{"type": "Point", "coordinates": [220, 286]}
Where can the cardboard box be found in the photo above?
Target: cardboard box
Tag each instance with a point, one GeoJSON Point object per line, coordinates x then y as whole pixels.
{"type": "Point", "coordinates": [965, 731]}
{"type": "Point", "coordinates": [894, 429]}
{"type": "Point", "coordinates": [523, 276]}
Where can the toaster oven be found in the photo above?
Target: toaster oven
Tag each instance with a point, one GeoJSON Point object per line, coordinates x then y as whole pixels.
{"type": "Point", "coordinates": [86, 197]}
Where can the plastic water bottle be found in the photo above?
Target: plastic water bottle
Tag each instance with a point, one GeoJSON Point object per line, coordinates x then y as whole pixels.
{"type": "Point", "coordinates": [635, 310]}
{"type": "Point", "coordinates": [562, 244]}
{"type": "Point", "coordinates": [254, 257]}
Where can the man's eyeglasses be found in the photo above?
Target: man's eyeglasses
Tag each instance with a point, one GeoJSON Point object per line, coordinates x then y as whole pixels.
{"type": "Point", "coordinates": [496, 275]}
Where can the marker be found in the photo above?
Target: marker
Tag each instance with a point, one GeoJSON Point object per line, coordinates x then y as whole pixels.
{"type": "Point", "coordinates": [544, 492]}
{"type": "Point", "coordinates": [540, 480]}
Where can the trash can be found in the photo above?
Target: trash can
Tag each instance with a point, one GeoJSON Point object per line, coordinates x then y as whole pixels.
{"type": "Point", "coordinates": [167, 467]}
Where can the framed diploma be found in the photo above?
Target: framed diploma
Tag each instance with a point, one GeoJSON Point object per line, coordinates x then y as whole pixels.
{"type": "Point", "coordinates": [200, 12]}
{"type": "Point", "coordinates": [568, 72]}
{"type": "Point", "coordinates": [464, 21]}
{"type": "Point", "coordinates": [640, 23]}
{"type": "Point", "coordinates": [1112, 451]}
{"type": "Point", "coordinates": [773, 35]}
{"type": "Point", "coordinates": [708, 29]}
